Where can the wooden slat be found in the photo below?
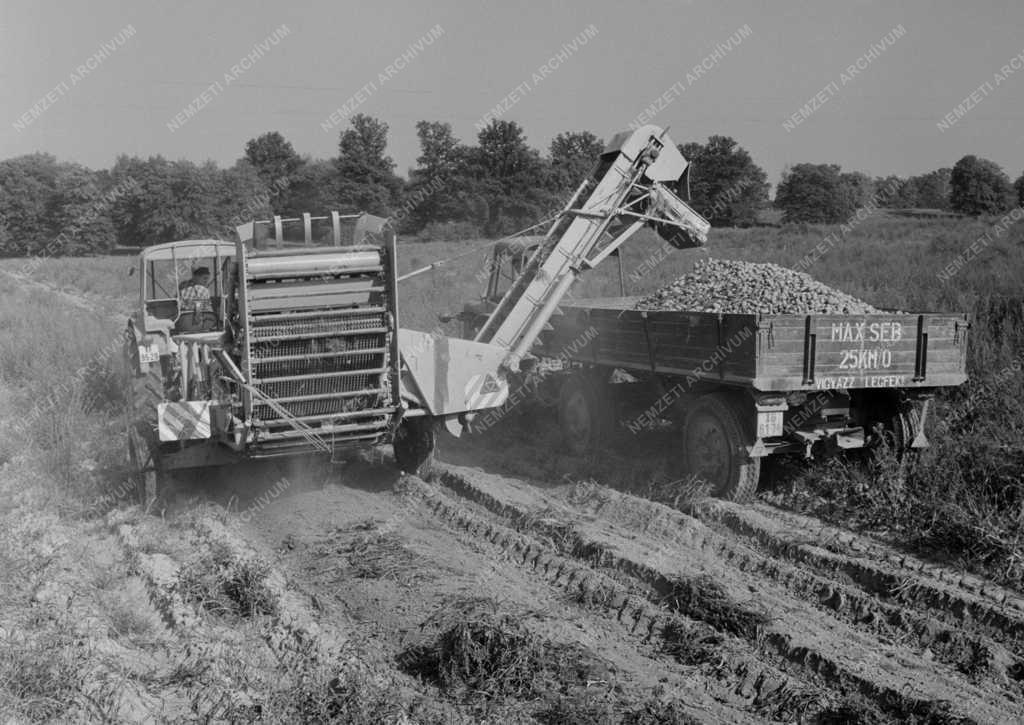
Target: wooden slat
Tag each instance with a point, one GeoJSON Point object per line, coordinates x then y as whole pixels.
{"type": "Point", "coordinates": [905, 355]}
{"type": "Point", "coordinates": [771, 354]}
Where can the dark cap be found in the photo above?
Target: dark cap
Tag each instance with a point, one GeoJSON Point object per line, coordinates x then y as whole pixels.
{"type": "Point", "coordinates": [200, 270]}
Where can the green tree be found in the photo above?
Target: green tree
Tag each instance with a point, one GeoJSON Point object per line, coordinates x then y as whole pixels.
{"type": "Point", "coordinates": [724, 183]}
{"type": "Point", "coordinates": [80, 212]}
{"type": "Point", "coordinates": [367, 180]}
{"type": "Point", "coordinates": [1019, 186]}
{"type": "Point", "coordinates": [53, 208]}
{"type": "Point", "coordinates": [5, 236]}
{"type": "Point", "coordinates": [437, 184]}
{"type": "Point", "coordinates": [27, 187]}
{"type": "Point", "coordinates": [858, 188]}
{"type": "Point", "coordinates": [313, 189]}
{"type": "Point", "coordinates": [133, 213]}
{"type": "Point", "coordinates": [273, 157]}
{"type": "Point", "coordinates": [196, 194]}
{"type": "Point", "coordinates": [908, 196]}
{"type": "Point", "coordinates": [243, 196]}
{"type": "Point", "coordinates": [505, 172]}
{"type": "Point", "coordinates": [439, 150]}
{"type": "Point", "coordinates": [888, 190]}
{"type": "Point", "coordinates": [933, 189]}
{"type": "Point", "coordinates": [573, 156]}
{"type": "Point", "coordinates": [813, 193]}
{"type": "Point", "coordinates": [175, 200]}
{"type": "Point", "coordinates": [979, 186]}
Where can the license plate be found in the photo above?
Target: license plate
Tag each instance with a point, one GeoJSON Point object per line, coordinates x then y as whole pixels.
{"type": "Point", "coordinates": [149, 354]}
{"type": "Point", "coordinates": [769, 424]}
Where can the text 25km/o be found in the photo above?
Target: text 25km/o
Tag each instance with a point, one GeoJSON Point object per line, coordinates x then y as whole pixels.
{"type": "Point", "coordinates": [873, 359]}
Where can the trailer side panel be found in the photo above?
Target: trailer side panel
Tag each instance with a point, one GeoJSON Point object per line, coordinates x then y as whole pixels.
{"type": "Point", "coordinates": [769, 352]}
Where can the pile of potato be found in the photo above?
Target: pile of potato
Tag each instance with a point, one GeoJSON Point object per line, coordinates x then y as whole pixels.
{"type": "Point", "coordinates": [720, 285]}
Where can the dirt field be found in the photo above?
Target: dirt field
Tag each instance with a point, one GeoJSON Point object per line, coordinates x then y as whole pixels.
{"type": "Point", "coordinates": [316, 592]}
{"type": "Point", "coordinates": [516, 584]}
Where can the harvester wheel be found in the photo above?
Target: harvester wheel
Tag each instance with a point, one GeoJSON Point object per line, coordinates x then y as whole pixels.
{"type": "Point", "coordinates": [715, 445]}
{"type": "Point", "coordinates": [584, 413]}
{"type": "Point", "coordinates": [414, 445]}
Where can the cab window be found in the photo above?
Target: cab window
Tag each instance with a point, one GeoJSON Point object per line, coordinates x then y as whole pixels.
{"type": "Point", "coordinates": [165, 278]}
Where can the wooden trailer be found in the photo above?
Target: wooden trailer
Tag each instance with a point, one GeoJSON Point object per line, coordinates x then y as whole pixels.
{"type": "Point", "coordinates": [741, 387]}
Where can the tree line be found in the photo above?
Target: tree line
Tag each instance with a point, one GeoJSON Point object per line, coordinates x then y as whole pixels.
{"type": "Point", "coordinates": [824, 193]}
{"type": "Point", "coordinates": [494, 187]}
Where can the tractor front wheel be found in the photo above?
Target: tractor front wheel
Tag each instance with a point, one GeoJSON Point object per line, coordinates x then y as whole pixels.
{"type": "Point", "coordinates": [414, 445]}
{"type": "Point", "coordinates": [145, 391]}
{"type": "Point", "coordinates": [144, 460]}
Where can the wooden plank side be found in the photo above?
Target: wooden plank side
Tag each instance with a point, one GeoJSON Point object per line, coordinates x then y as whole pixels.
{"type": "Point", "coordinates": [865, 350]}
{"type": "Point", "coordinates": [878, 350]}
{"type": "Point", "coordinates": [936, 353]}
{"type": "Point", "coordinates": [716, 346]}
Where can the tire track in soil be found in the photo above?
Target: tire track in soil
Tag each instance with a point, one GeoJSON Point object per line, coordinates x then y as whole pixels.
{"type": "Point", "coordinates": [296, 635]}
{"type": "Point", "coordinates": [287, 629]}
{"type": "Point", "coordinates": [198, 643]}
{"type": "Point", "coordinates": [972, 653]}
{"type": "Point", "coordinates": [947, 596]}
{"type": "Point", "coordinates": [854, 545]}
{"type": "Point", "coordinates": [820, 660]}
{"type": "Point", "coordinates": [159, 573]}
{"type": "Point", "coordinates": [737, 677]}
{"type": "Point", "coordinates": [328, 563]}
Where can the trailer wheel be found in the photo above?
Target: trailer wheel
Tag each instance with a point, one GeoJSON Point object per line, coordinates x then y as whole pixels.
{"type": "Point", "coordinates": [414, 445]}
{"type": "Point", "coordinates": [714, 448]}
{"type": "Point", "coordinates": [898, 431]}
{"type": "Point", "coordinates": [583, 413]}
{"type": "Point", "coordinates": [895, 436]}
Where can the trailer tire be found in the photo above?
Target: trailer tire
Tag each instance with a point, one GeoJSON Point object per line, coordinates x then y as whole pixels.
{"type": "Point", "coordinates": [584, 413]}
{"type": "Point", "coordinates": [715, 442]}
{"type": "Point", "coordinates": [414, 445]}
{"type": "Point", "coordinates": [896, 435]}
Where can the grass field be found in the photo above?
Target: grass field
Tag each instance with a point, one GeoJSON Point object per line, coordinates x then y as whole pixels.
{"type": "Point", "coordinates": [964, 499]}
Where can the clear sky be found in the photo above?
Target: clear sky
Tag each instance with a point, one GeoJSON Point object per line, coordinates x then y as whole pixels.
{"type": "Point", "coordinates": [881, 121]}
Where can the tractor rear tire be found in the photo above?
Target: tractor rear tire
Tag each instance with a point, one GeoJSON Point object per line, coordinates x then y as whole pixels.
{"type": "Point", "coordinates": [144, 459]}
{"type": "Point", "coordinates": [584, 413]}
{"type": "Point", "coordinates": [715, 442]}
{"type": "Point", "coordinates": [414, 445]}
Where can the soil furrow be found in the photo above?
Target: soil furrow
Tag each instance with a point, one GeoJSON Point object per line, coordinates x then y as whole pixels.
{"type": "Point", "coordinates": [160, 574]}
{"type": "Point", "coordinates": [850, 544]}
{"type": "Point", "coordinates": [944, 602]}
{"type": "Point", "coordinates": [412, 586]}
{"type": "Point", "coordinates": [811, 649]}
{"type": "Point", "coordinates": [769, 691]}
{"type": "Point", "coordinates": [975, 655]}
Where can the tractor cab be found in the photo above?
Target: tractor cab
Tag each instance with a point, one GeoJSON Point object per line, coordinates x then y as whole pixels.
{"type": "Point", "coordinates": [171, 303]}
{"type": "Point", "coordinates": [503, 267]}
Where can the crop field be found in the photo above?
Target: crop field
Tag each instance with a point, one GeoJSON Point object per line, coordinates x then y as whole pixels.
{"type": "Point", "coordinates": [518, 583]}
